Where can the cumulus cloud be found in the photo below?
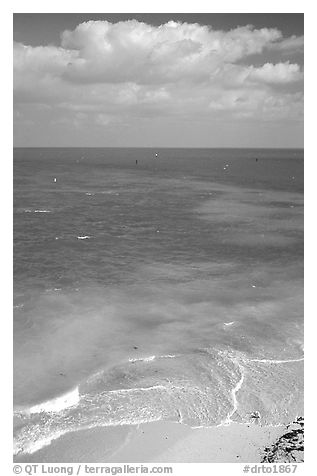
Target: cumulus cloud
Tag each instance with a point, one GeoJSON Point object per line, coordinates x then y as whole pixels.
{"type": "Point", "coordinates": [134, 51]}
{"type": "Point", "coordinates": [133, 68]}
{"type": "Point", "coordinates": [99, 51]}
{"type": "Point", "coordinates": [276, 73]}
{"type": "Point", "coordinates": [291, 44]}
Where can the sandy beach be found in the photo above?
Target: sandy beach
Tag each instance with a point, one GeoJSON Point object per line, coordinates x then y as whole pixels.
{"type": "Point", "coordinates": [160, 442]}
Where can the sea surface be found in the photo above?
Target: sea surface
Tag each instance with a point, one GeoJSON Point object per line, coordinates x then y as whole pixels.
{"type": "Point", "coordinates": [156, 288]}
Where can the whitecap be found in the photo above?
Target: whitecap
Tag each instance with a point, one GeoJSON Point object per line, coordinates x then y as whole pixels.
{"type": "Point", "coordinates": [55, 405]}
{"type": "Point", "coordinates": [137, 389]}
{"type": "Point", "coordinates": [86, 237]}
{"type": "Point", "coordinates": [152, 357]}
{"type": "Point", "coordinates": [274, 361]}
{"type": "Point", "coordinates": [143, 359]}
{"type": "Point", "coordinates": [34, 446]}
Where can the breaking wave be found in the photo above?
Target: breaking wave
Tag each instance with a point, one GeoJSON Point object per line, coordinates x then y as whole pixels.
{"type": "Point", "coordinates": [205, 388]}
{"type": "Point", "coordinates": [55, 405]}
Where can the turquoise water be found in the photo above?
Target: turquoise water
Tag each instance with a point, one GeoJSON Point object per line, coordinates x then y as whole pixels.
{"type": "Point", "coordinates": [167, 289]}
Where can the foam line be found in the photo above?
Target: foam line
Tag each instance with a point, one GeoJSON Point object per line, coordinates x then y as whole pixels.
{"type": "Point", "coordinates": [143, 359]}
{"type": "Point", "coordinates": [234, 392]}
{"type": "Point", "coordinates": [268, 361]}
{"type": "Point", "coordinates": [125, 390]}
{"type": "Point", "coordinates": [152, 357]}
{"type": "Point", "coordinates": [57, 404]}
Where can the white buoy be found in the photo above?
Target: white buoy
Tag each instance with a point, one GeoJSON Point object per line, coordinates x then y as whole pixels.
{"type": "Point", "coordinates": [55, 179]}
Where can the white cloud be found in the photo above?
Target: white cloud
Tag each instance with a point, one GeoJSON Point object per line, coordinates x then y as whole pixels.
{"type": "Point", "coordinates": [276, 73]}
{"type": "Point", "coordinates": [138, 69]}
{"type": "Point", "coordinates": [291, 44]}
{"type": "Point", "coordinates": [99, 51]}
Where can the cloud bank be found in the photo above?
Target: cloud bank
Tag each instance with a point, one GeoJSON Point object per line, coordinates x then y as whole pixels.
{"type": "Point", "coordinates": [110, 73]}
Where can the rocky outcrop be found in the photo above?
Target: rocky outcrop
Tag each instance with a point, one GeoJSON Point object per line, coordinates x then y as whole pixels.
{"type": "Point", "coordinates": [289, 448]}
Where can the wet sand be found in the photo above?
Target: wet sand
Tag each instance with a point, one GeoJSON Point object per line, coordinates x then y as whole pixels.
{"type": "Point", "coordinates": [160, 442]}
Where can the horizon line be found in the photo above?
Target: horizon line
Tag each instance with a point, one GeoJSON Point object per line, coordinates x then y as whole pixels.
{"type": "Point", "coordinates": [146, 147]}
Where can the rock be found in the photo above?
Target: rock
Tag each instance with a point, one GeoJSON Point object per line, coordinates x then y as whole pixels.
{"type": "Point", "coordinates": [289, 448]}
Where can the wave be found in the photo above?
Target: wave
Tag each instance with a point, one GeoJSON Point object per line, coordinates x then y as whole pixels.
{"type": "Point", "coordinates": [273, 361]}
{"type": "Point", "coordinates": [36, 445]}
{"type": "Point", "coordinates": [30, 447]}
{"type": "Point", "coordinates": [206, 388]}
{"type": "Point", "coordinates": [153, 387]}
{"type": "Point", "coordinates": [29, 210]}
{"type": "Point", "coordinates": [86, 237]}
{"type": "Point", "coordinates": [143, 359]}
{"type": "Point", "coordinates": [55, 405]}
{"type": "Point", "coordinates": [152, 357]}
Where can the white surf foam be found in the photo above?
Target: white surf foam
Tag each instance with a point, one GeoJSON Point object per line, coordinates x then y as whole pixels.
{"type": "Point", "coordinates": [234, 392]}
{"type": "Point", "coordinates": [57, 404]}
{"type": "Point", "coordinates": [28, 210]}
{"type": "Point", "coordinates": [272, 361]}
{"type": "Point", "coordinates": [143, 359]}
{"type": "Point", "coordinates": [137, 389]}
{"type": "Point", "coordinates": [152, 357]}
{"type": "Point", "coordinates": [34, 446]}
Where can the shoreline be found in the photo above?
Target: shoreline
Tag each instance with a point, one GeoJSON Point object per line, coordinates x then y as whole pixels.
{"type": "Point", "coordinates": [161, 441]}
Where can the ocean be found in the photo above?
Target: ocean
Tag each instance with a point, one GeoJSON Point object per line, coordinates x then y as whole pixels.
{"type": "Point", "coordinates": [148, 288]}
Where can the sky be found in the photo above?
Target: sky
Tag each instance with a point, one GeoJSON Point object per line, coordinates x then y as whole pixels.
{"type": "Point", "coordinates": [158, 80]}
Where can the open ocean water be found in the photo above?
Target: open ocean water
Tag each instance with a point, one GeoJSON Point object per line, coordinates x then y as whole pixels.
{"type": "Point", "coordinates": [167, 289]}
